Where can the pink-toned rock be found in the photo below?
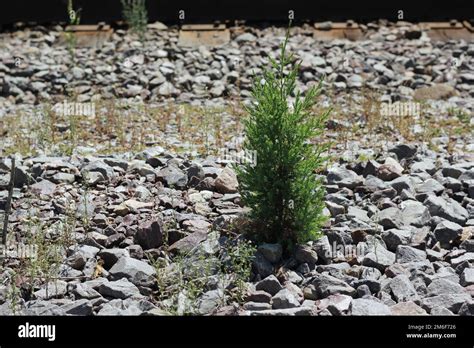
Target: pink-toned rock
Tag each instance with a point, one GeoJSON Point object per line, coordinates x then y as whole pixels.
{"type": "Point", "coordinates": [226, 182]}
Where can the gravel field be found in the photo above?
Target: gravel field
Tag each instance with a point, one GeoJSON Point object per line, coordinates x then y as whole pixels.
{"type": "Point", "coordinates": [125, 186]}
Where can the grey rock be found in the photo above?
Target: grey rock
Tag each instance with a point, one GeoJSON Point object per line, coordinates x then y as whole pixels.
{"type": "Point", "coordinates": [367, 306]}
{"type": "Point", "coordinates": [92, 178]}
{"type": "Point", "coordinates": [468, 175]}
{"type": "Point", "coordinates": [442, 286]}
{"type": "Point", "coordinates": [355, 81]}
{"type": "Point", "coordinates": [407, 308]}
{"type": "Point", "coordinates": [109, 309]}
{"type": "Point", "coordinates": [426, 165]}
{"type": "Point", "coordinates": [246, 37]}
{"type": "Point", "coordinates": [172, 176]}
{"type": "Point", "coordinates": [468, 245]}
{"type": "Point", "coordinates": [452, 171]}
{"type": "Point", "coordinates": [188, 243]}
{"type": "Point", "coordinates": [63, 178]}
{"type": "Point", "coordinates": [43, 187]}
{"type": "Point", "coordinates": [167, 89]}
{"type": "Point", "coordinates": [404, 150]}
{"type": "Point", "coordinates": [467, 257]}
{"type": "Point", "coordinates": [327, 285]}
{"type": "Point", "coordinates": [136, 271]}
{"type": "Point", "coordinates": [407, 253]}
{"type": "Point", "coordinates": [79, 307]}
{"type": "Point", "coordinates": [150, 234]}
{"type": "Point", "coordinates": [344, 178]}
{"type": "Point", "coordinates": [467, 308]}
{"type": "Point", "coordinates": [390, 170]}
{"type": "Point", "coordinates": [414, 213]}
{"type": "Point", "coordinates": [116, 162]}
{"type": "Point", "coordinates": [218, 89]}
{"type": "Point", "coordinates": [441, 311]}
{"type": "Point", "coordinates": [470, 188]}
{"type": "Point", "coordinates": [390, 218]}
{"type": "Point", "coordinates": [257, 306]}
{"type": "Point", "coordinates": [394, 237]}
{"type": "Point", "coordinates": [98, 166]}
{"type": "Point", "coordinates": [121, 289]}
{"type": "Point", "coordinates": [41, 308]}
{"type": "Point", "coordinates": [448, 209]}
{"type": "Point", "coordinates": [363, 290]}
{"type": "Point", "coordinates": [209, 301]}
{"type": "Point", "coordinates": [322, 247]}
{"type": "Point", "coordinates": [452, 302]}
{"type": "Point", "coordinates": [259, 296]}
{"type": "Point", "coordinates": [467, 277]}
{"type": "Point", "coordinates": [270, 285]}
{"type": "Point", "coordinates": [358, 213]}
{"type": "Point", "coordinates": [83, 290]}
{"type": "Point", "coordinates": [305, 254]}
{"type": "Point", "coordinates": [53, 289]}
{"type": "Point", "coordinates": [447, 273]}
{"type": "Point", "coordinates": [142, 168]}
{"type": "Point", "coordinates": [428, 187]}
{"type": "Point", "coordinates": [375, 184]}
{"type": "Point", "coordinates": [111, 256]}
{"type": "Point", "coordinates": [402, 289]}
{"type": "Point", "coordinates": [402, 183]}
{"type": "Point", "coordinates": [335, 209]}
{"type": "Point", "coordinates": [87, 251]}
{"type": "Point", "coordinates": [142, 193]}
{"type": "Point", "coordinates": [447, 233]}
{"type": "Point", "coordinates": [378, 257]}
{"type": "Point", "coordinates": [298, 311]}
{"type": "Point", "coordinates": [284, 299]}
{"type": "Point", "coordinates": [339, 304]}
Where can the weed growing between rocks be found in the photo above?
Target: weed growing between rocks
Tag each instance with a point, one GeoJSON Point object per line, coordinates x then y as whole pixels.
{"type": "Point", "coordinates": [282, 189]}
{"type": "Point", "coordinates": [136, 16]}
{"type": "Point", "coordinates": [118, 127]}
{"type": "Point", "coordinates": [39, 251]}
{"type": "Point", "coordinates": [74, 19]}
{"type": "Point", "coordinates": [198, 281]}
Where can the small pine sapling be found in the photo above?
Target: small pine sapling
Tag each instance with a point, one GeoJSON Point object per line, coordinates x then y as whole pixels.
{"type": "Point", "coordinates": [282, 189]}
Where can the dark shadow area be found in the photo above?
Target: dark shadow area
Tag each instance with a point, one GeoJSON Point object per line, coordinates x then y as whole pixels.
{"type": "Point", "coordinates": [274, 11]}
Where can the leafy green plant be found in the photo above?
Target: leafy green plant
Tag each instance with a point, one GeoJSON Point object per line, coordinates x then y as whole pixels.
{"type": "Point", "coordinates": [136, 16]}
{"type": "Point", "coordinates": [14, 294]}
{"type": "Point", "coordinates": [239, 264]}
{"type": "Point", "coordinates": [281, 188]}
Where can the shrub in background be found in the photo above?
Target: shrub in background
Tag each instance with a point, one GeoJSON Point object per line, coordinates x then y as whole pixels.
{"type": "Point", "coordinates": [281, 188]}
{"type": "Point", "coordinates": [135, 14]}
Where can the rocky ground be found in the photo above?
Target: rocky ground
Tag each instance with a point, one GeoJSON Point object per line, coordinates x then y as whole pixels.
{"type": "Point", "coordinates": [151, 230]}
